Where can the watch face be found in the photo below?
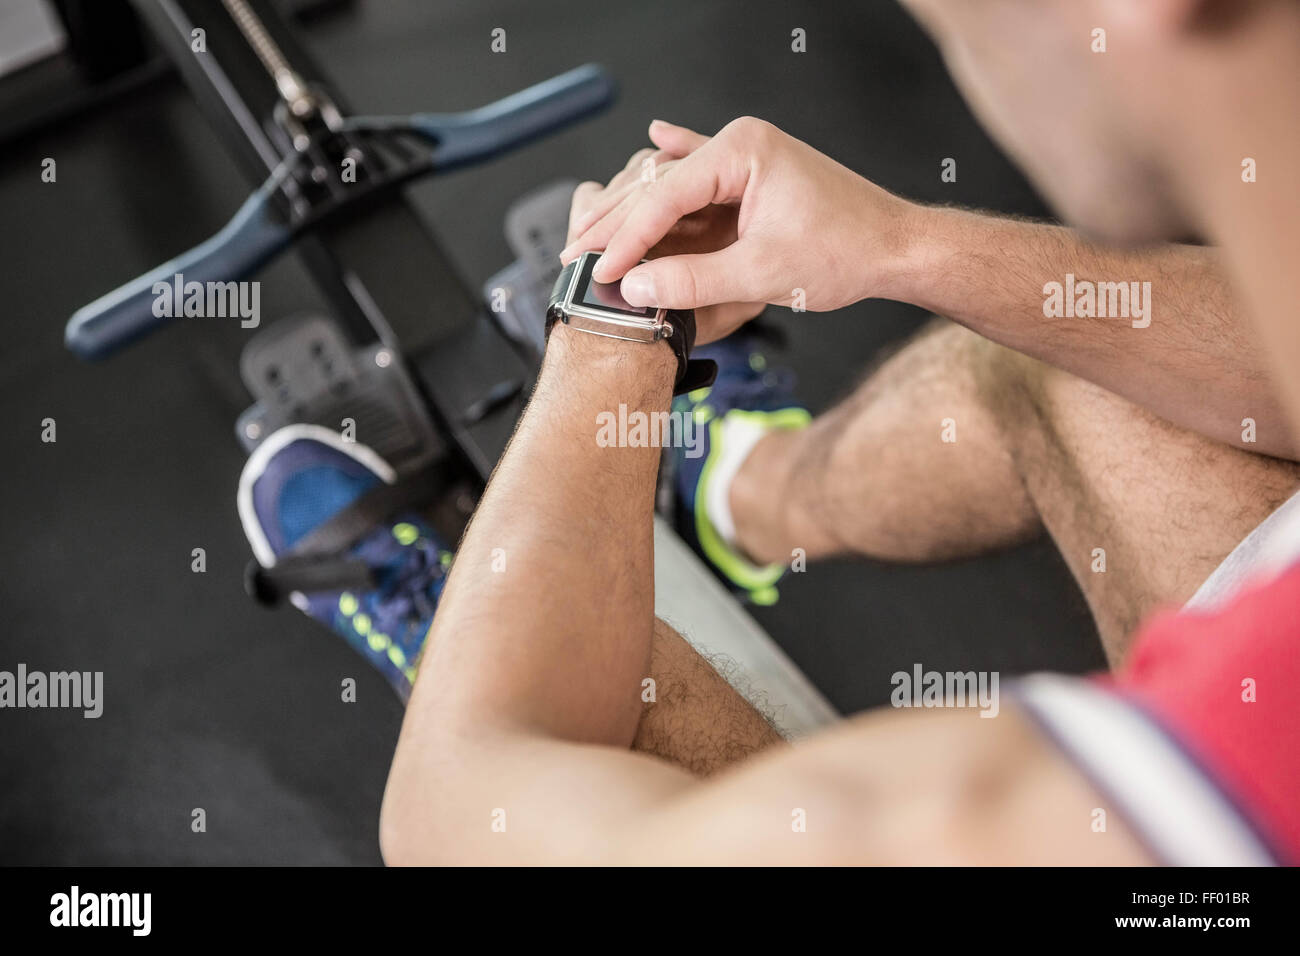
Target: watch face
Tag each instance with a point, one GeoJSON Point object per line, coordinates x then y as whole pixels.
{"type": "Point", "coordinates": [604, 296]}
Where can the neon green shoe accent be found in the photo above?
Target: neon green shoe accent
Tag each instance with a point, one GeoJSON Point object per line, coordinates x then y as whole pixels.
{"type": "Point", "coordinates": [377, 641]}
{"type": "Point", "coordinates": [406, 533]}
{"type": "Point", "coordinates": [780, 418]}
{"type": "Point", "coordinates": [757, 580]}
{"type": "Point", "coordinates": [362, 624]}
{"type": "Point", "coordinates": [347, 604]}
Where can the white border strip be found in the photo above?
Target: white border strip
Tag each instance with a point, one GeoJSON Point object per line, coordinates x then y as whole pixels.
{"type": "Point", "coordinates": [1181, 816]}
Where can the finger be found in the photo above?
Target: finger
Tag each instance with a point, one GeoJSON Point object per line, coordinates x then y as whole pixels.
{"type": "Point", "coordinates": [706, 176]}
{"type": "Point", "coordinates": [631, 171]}
{"type": "Point", "coordinates": [641, 167]}
{"type": "Point", "coordinates": [677, 140]}
{"type": "Point", "coordinates": [650, 168]}
{"type": "Point", "coordinates": [611, 198]}
{"type": "Point", "coordinates": [645, 166]}
{"type": "Point", "coordinates": [653, 164]}
{"type": "Point", "coordinates": [600, 199]}
{"type": "Point", "coordinates": [597, 235]}
{"type": "Point", "coordinates": [602, 222]}
{"type": "Point", "coordinates": [584, 198]}
{"type": "Point", "coordinates": [693, 281]}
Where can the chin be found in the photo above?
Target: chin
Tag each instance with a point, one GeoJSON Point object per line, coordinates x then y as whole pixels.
{"type": "Point", "coordinates": [1120, 212]}
{"type": "Point", "coordinates": [1123, 229]}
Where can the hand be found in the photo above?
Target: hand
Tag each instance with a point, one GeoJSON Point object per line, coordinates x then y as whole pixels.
{"type": "Point", "coordinates": [707, 230]}
{"type": "Point", "coordinates": [772, 220]}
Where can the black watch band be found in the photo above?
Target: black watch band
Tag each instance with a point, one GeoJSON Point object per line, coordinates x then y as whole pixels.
{"type": "Point", "coordinates": [691, 373]}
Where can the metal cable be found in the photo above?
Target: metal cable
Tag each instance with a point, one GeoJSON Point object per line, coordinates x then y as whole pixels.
{"type": "Point", "coordinates": [292, 89]}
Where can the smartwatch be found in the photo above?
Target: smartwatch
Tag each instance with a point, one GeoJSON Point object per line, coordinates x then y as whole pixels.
{"type": "Point", "coordinates": [582, 303]}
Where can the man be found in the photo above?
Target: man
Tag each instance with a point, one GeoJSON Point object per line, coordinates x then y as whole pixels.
{"type": "Point", "coordinates": [516, 741]}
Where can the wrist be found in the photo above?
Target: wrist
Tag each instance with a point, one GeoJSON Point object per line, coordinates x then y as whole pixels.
{"type": "Point", "coordinates": [915, 239]}
{"type": "Point", "coordinates": [598, 361]}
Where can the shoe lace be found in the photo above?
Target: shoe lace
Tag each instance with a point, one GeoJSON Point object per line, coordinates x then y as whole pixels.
{"type": "Point", "coordinates": [409, 589]}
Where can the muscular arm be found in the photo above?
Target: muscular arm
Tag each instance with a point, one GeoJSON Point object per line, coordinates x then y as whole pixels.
{"type": "Point", "coordinates": [515, 747]}
{"type": "Point", "coordinates": [803, 222]}
{"type": "Point", "coordinates": [531, 694]}
{"type": "Point", "coordinates": [1197, 364]}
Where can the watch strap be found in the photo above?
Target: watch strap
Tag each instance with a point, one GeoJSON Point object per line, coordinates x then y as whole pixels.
{"type": "Point", "coordinates": [557, 291]}
{"type": "Point", "coordinates": [691, 373]}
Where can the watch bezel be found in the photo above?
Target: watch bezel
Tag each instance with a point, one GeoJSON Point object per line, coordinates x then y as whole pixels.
{"type": "Point", "coordinates": [607, 322]}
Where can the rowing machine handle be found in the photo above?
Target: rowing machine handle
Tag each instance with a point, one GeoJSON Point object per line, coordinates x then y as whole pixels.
{"type": "Point", "coordinates": [475, 135]}
{"type": "Point", "coordinates": [255, 236]}
{"type": "Point", "coordinates": [251, 239]}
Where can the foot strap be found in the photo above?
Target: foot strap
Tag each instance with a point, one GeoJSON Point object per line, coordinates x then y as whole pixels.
{"type": "Point", "coordinates": [320, 562]}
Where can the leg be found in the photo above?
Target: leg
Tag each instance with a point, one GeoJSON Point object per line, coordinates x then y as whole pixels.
{"type": "Point", "coordinates": [874, 476]}
{"type": "Point", "coordinates": [1036, 448]}
{"type": "Point", "coordinates": [1165, 505]}
{"type": "Point", "coordinates": [697, 720]}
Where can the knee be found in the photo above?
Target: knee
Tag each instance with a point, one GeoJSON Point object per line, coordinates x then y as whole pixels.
{"type": "Point", "coordinates": [1006, 387]}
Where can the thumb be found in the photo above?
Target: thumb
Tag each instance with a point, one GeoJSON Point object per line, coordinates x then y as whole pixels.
{"type": "Point", "coordinates": [691, 281]}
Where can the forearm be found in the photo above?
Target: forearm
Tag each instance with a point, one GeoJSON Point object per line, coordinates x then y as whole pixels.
{"type": "Point", "coordinates": [555, 800]}
{"type": "Point", "coordinates": [553, 584]}
{"type": "Point", "coordinates": [543, 634]}
{"type": "Point", "coordinates": [1188, 357]}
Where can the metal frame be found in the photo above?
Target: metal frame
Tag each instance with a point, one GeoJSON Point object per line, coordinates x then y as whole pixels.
{"type": "Point", "coordinates": [609, 323]}
{"type": "Point", "coordinates": [471, 376]}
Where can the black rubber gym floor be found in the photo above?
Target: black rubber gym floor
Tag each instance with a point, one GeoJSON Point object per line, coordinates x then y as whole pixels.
{"type": "Point", "coordinates": [215, 703]}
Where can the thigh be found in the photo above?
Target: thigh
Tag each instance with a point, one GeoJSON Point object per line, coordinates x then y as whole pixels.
{"type": "Point", "coordinates": [1142, 510]}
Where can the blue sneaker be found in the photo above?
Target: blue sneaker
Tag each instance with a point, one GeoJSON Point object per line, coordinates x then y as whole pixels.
{"type": "Point", "coordinates": [747, 395]}
{"type": "Point", "coordinates": [302, 477]}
